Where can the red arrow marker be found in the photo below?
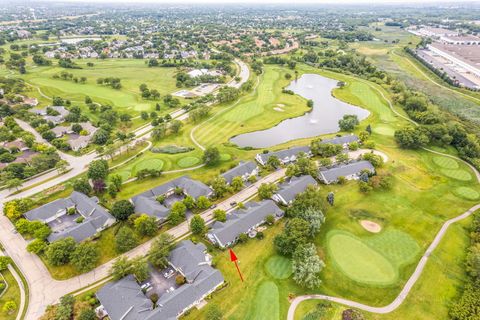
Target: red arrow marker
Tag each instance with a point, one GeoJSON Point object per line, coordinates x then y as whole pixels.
{"type": "Point", "coordinates": [234, 259]}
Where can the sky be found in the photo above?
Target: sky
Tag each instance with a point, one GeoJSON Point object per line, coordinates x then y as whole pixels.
{"type": "Point", "coordinates": [276, 1]}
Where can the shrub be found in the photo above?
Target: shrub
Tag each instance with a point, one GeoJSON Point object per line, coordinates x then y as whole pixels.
{"type": "Point", "coordinates": [179, 279]}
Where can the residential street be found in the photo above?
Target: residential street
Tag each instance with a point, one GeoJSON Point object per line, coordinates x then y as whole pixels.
{"type": "Point", "coordinates": [44, 290]}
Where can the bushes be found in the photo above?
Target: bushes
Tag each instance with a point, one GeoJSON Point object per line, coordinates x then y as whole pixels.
{"type": "Point", "coordinates": [171, 149]}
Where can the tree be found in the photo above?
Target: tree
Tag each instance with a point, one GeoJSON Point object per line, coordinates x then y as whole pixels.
{"type": "Point", "coordinates": [14, 183]}
{"type": "Point", "coordinates": [411, 137]}
{"type": "Point", "coordinates": [273, 162]}
{"type": "Point", "coordinates": [145, 225]}
{"type": "Point", "coordinates": [211, 156]}
{"type": "Point", "coordinates": [59, 252]}
{"type": "Point", "coordinates": [375, 159]}
{"type": "Point", "coordinates": [315, 219]}
{"type": "Point", "coordinates": [4, 262]}
{"type": "Point", "coordinates": [85, 257]}
{"type": "Point", "coordinates": [348, 122]}
{"type": "Point", "coordinates": [120, 268]}
{"type": "Point", "coordinates": [295, 234]}
{"type": "Point", "coordinates": [61, 166]}
{"type": "Point", "coordinates": [9, 307]}
{"type": "Point", "coordinates": [82, 185]}
{"type": "Point", "coordinates": [203, 203]}
{"type": "Point", "coordinates": [140, 269]}
{"type": "Point", "coordinates": [237, 184]}
{"type": "Point", "coordinates": [220, 215]}
{"type": "Point", "coordinates": [175, 126]}
{"type": "Point", "coordinates": [101, 136]}
{"type": "Point", "coordinates": [306, 266]}
{"type": "Point", "coordinates": [219, 186]}
{"type": "Point", "coordinates": [189, 202]}
{"type": "Point", "coordinates": [177, 213]}
{"type": "Point", "coordinates": [266, 190]}
{"type": "Point", "coordinates": [125, 239]}
{"type": "Point", "coordinates": [116, 181]}
{"type": "Point", "coordinates": [87, 314]}
{"type": "Point", "coordinates": [352, 314]}
{"type": "Point", "coordinates": [310, 103]}
{"type": "Point", "coordinates": [122, 209]}
{"type": "Point", "coordinates": [197, 225]}
{"type": "Point", "coordinates": [473, 261]}
{"type": "Point", "coordinates": [98, 170]}
{"type": "Point", "coordinates": [37, 246]}
{"type": "Point", "coordinates": [331, 198]}
{"type": "Point", "coordinates": [160, 250]}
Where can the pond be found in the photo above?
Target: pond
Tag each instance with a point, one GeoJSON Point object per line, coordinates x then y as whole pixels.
{"type": "Point", "coordinates": [323, 118]}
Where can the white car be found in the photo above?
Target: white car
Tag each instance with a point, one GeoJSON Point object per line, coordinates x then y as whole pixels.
{"type": "Point", "coordinates": [168, 274]}
{"type": "Point", "coordinates": [146, 286]}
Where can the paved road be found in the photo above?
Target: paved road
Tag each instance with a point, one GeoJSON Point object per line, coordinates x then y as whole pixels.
{"type": "Point", "coordinates": [421, 265]}
{"type": "Point", "coordinates": [44, 290]}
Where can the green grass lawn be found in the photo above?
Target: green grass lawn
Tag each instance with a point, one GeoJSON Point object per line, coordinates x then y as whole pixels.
{"type": "Point", "coordinates": [359, 261]}
{"type": "Point", "coordinates": [279, 267]}
{"type": "Point", "coordinates": [11, 293]}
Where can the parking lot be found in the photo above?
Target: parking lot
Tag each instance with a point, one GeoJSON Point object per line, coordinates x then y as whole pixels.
{"type": "Point", "coordinates": [159, 284]}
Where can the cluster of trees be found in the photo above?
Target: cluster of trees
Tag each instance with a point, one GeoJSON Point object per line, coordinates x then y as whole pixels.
{"type": "Point", "coordinates": [348, 36]}
{"type": "Point", "coordinates": [467, 304]}
{"type": "Point", "coordinates": [200, 112]}
{"type": "Point", "coordinates": [305, 217]}
{"type": "Point", "coordinates": [84, 256]}
{"type": "Point", "coordinates": [348, 122]}
{"type": "Point", "coordinates": [157, 256]}
{"type": "Point", "coordinates": [69, 76]}
{"type": "Point", "coordinates": [68, 63]}
{"type": "Point", "coordinates": [435, 126]}
{"type": "Point", "coordinates": [281, 61]}
{"type": "Point", "coordinates": [149, 94]}
{"type": "Point", "coordinates": [114, 83]}
{"type": "Point", "coordinates": [40, 60]}
{"type": "Point", "coordinates": [185, 80]}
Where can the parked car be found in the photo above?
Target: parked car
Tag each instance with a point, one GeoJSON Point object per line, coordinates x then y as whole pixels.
{"type": "Point", "coordinates": [146, 286]}
{"type": "Point", "coordinates": [233, 204]}
{"type": "Point", "coordinates": [168, 274]}
{"type": "Point", "coordinates": [213, 206]}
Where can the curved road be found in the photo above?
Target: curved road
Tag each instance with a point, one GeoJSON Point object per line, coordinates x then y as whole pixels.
{"type": "Point", "coordinates": [422, 263]}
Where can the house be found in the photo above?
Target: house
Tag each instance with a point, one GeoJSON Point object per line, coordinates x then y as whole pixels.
{"type": "Point", "coordinates": [87, 218]}
{"type": "Point", "coordinates": [243, 170]}
{"type": "Point", "coordinates": [56, 119]}
{"type": "Point", "coordinates": [343, 140]}
{"type": "Point", "coordinates": [288, 190]}
{"type": "Point", "coordinates": [125, 300]}
{"type": "Point", "coordinates": [350, 171]}
{"type": "Point", "coordinates": [14, 145]}
{"type": "Point", "coordinates": [285, 156]}
{"type": "Point", "coordinates": [225, 234]}
{"type": "Point", "coordinates": [146, 202]}
{"type": "Point", "coordinates": [76, 141]}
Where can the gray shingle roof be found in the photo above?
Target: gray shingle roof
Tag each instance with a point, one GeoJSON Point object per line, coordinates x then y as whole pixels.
{"type": "Point", "coordinates": [342, 140]}
{"type": "Point", "coordinates": [192, 187]}
{"type": "Point", "coordinates": [95, 216]}
{"type": "Point", "coordinates": [173, 303]}
{"type": "Point", "coordinates": [151, 207]}
{"type": "Point", "coordinates": [49, 209]}
{"type": "Point", "coordinates": [124, 300]}
{"type": "Point", "coordinates": [332, 174]}
{"type": "Point", "coordinates": [296, 185]}
{"type": "Point", "coordinates": [284, 153]}
{"type": "Point", "coordinates": [187, 257]}
{"type": "Point", "coordinates": [241, 220]}
{"type": "Point", "coordinates": [240, 170]}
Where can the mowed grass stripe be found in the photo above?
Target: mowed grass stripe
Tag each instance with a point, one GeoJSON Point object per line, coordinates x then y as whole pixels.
{"type": "Point", "coordinates": [360, 262]}
{"type": "Point", "coordinates": [266, 305]}
{"type": "Point", "coordinates": [279, 267]}
{"type": "Point", "coordinates": [445, 162]}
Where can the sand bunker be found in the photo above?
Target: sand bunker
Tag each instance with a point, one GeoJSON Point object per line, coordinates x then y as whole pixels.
{"type": "Point", "coordinates": [281, 105]}
{"type": "Point", "coordinates": [278, 109]}
{"type": "Point", "coordinates": [371, 226]}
